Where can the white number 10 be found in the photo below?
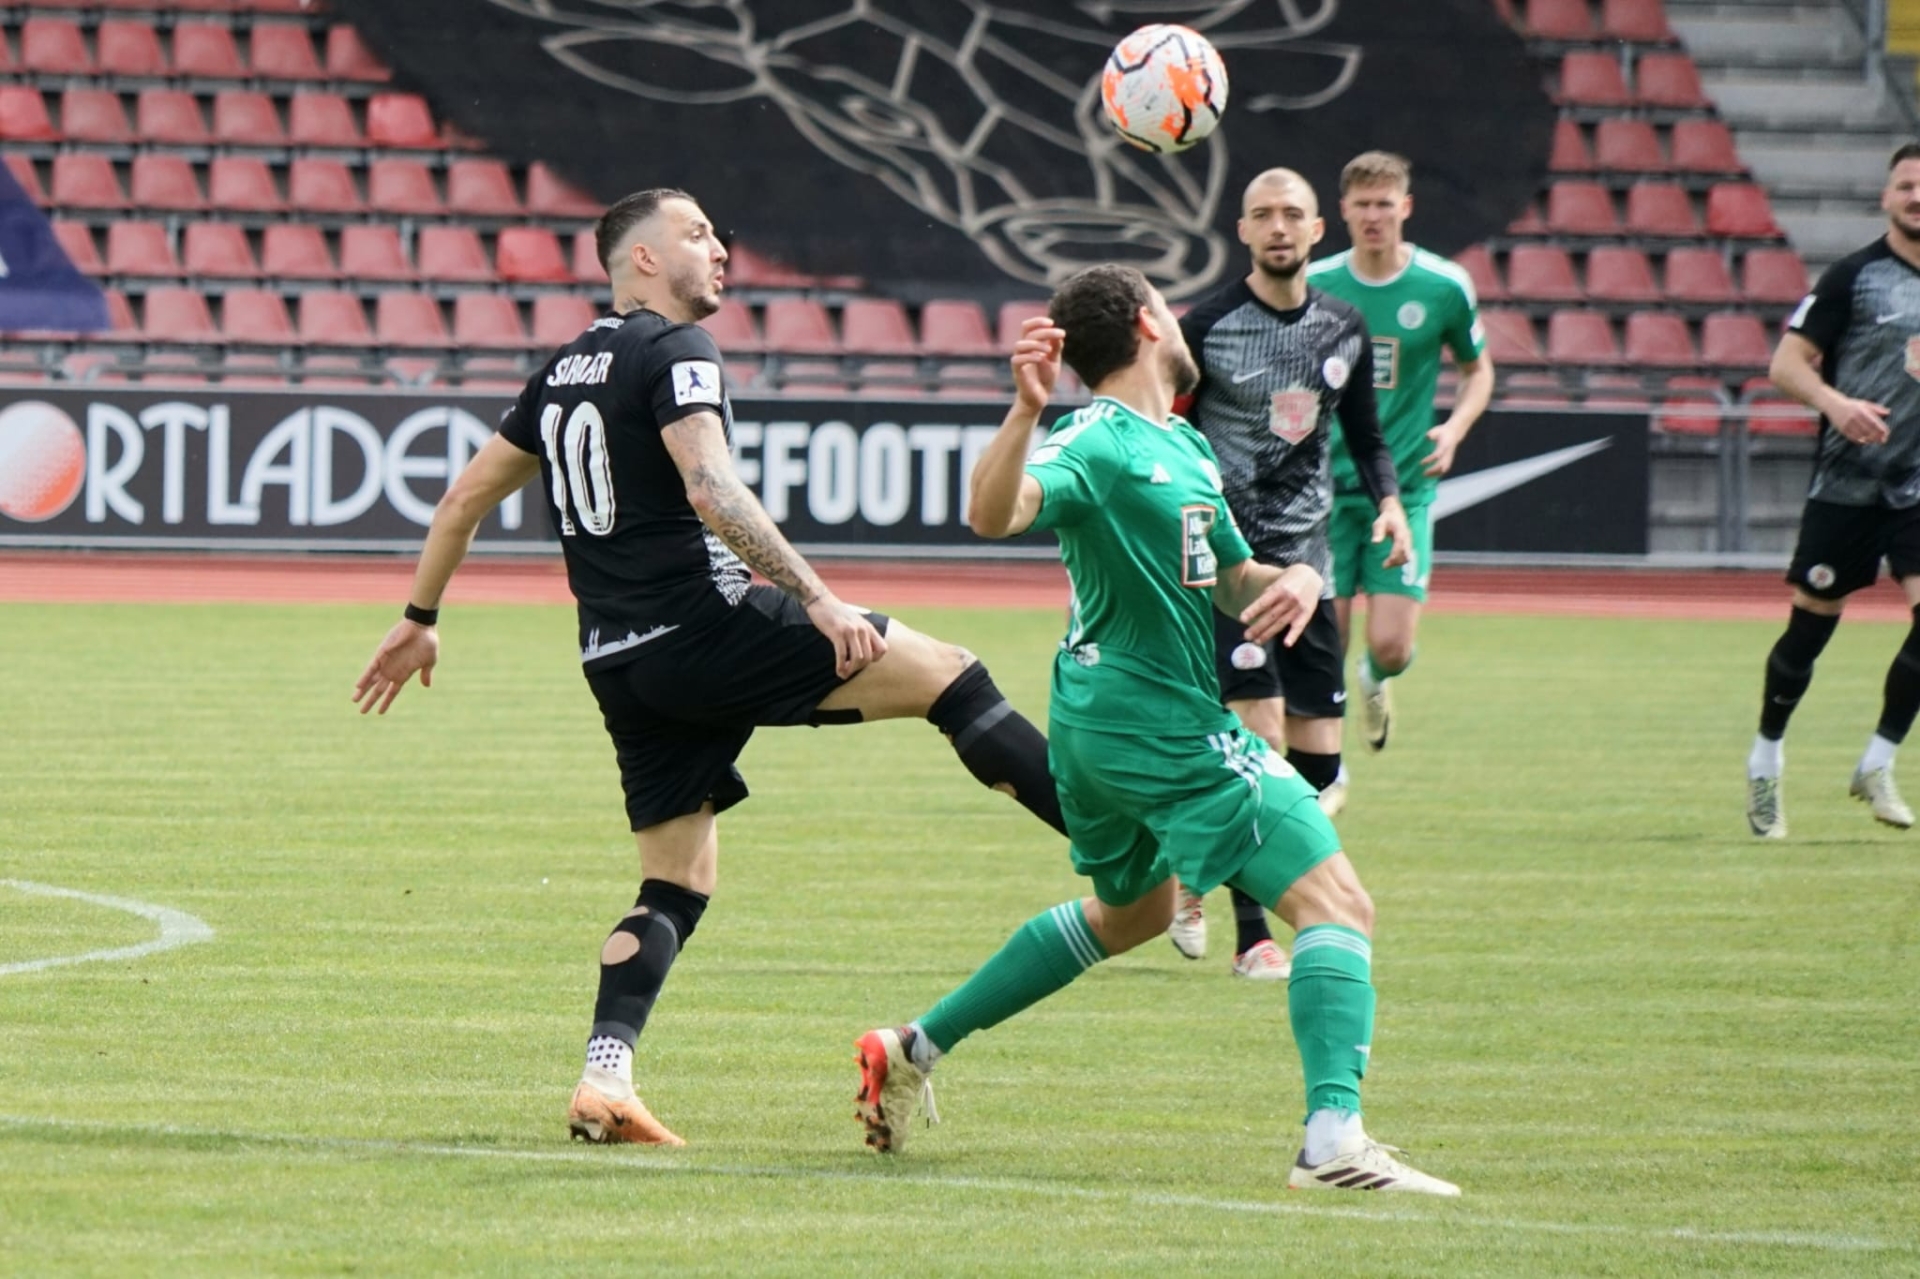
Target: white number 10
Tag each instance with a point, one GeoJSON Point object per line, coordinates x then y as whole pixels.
{"type": "Point", "coordinates": [577, 454]}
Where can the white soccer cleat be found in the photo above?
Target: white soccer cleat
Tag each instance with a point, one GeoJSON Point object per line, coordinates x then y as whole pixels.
{"type": "Point", "coordinates": [1765, 813]}
{"type": "Point", "coordinates": [1376, 712]}
{"type": "Point", "coordinates": [1367, 1165]}
{"type": "Point", "coordinates": [1188, 931]}
{"type": "Point", "coordinates": [1880, 794]}
{"type": "Point", "coordinates": [1263, 961]}
{"type": "Point", "coordinates": [1334, 798]}
{"type": "Point", "coordinates": [891, 1089]}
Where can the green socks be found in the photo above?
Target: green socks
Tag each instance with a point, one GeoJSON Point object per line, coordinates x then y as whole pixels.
{"type": "Point", "coordinates": [1330, 997]}
{"type": "Point", "coordinates": [1372, 676]}
{"type": "Point", "coordinates": [1050, 950]}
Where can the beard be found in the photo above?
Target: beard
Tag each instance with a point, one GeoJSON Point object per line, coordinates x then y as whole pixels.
{"type": "Point", "coordinates": [1285, 271]}
{"type": "Point", "coordinates": [1908, 231]}
{"type": "Point", "coordinates": [693, 290]}
{"type": "Point", "coordinates": [1182, 372]}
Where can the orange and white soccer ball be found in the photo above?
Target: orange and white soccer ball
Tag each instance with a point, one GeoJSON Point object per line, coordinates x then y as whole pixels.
{"type": "Point", "coordinates": [1164, 88]}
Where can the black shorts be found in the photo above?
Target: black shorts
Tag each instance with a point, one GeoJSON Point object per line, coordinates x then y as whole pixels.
{"type": "Point", "coordinates": [1311, 676]}
{"type": "Point", "coordinates": [681, 713]}
{"type": "Point", "coordinates": [1840, 547]}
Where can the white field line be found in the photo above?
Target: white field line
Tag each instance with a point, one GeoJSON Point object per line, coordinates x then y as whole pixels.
{"type": "Point", "coordinates": [177, 928]}
{"type": "Point", "coordinates": [1311, 1206]}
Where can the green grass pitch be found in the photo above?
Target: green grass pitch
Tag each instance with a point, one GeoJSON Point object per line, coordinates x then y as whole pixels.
{"type": "Point", "coordinates": [1643, 1042]}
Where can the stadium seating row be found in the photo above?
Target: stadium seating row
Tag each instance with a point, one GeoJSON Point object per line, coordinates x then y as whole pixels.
{"type": "Point", "coordinates": [1622, 144]}
{"type": "Point", "coordinates": [1661, 81]}
{"type": "Point", "coordinates": [239, 118]}
{"type": "Point", "coordinates": [1657, 210]}
{"type": "Point", "coordinates": [137, 48]}
{"type": "Point", "coordinates": [230, 7]}
{"type": "Point", "coordinates": [1652, 339]}
{"type": "Point", "coordinates": [1625, 273]}
{"type": "Point", "coordinates": [1635, 21]}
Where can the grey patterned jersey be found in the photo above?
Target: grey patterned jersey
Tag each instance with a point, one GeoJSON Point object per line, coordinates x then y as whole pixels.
{"type": "Point", "coordinates": [1270, 384]}
{"type": "Point", "coordinates": [1864, 315]}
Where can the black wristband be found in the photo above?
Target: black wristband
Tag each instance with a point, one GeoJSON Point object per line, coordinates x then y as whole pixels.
{"type": "Point", "coordinates": [422, 616]}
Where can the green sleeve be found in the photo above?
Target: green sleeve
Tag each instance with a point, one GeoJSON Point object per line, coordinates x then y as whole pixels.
{"type": "Point", "coordinates": [1466, 335]}
{"type": "Point", "coordinates": [1076, 467]}
{"type": "Point", "coordinates": [1228, 543]}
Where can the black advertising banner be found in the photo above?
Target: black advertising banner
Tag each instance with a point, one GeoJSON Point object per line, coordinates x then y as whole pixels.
{"type": "Point", "coordinates": [347, 470]}
{"type": "Point", "coordinates": [931, 146]}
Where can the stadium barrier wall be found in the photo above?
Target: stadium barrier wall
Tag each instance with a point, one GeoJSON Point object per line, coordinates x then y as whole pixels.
{"type": "Point", "coordinates": [361, 471]}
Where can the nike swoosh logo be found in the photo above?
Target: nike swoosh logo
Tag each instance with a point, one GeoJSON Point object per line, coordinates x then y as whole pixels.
{"type": "Point", "coordinates": [1462, 491]}
{"type": "Point", "coordinates": [1238, 378]}
{"type": "Point", "coordinates": [1888, 319]}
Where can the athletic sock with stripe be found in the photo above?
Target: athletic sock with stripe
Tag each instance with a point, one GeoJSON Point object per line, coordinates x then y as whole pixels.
{"type": "Point", "coordinates": [1330, 999]}
{"type": "Point", "coordinates": [1047, 953]}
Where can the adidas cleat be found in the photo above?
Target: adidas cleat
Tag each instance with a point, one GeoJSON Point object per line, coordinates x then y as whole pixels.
{"type": "Point", "coordinates": [1367, 1166]}
{"type": "Point", "coordinates": [1263, 961]}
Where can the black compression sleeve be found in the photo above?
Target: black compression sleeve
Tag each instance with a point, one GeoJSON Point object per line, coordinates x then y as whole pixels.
{"type": "Point", "coordinates": [1360, 423]}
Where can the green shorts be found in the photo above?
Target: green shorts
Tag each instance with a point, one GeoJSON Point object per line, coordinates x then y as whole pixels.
{"type": "Point", "coordinates": [1209, 809]}
{"type": "Point", "coordinates": [1359, 566]}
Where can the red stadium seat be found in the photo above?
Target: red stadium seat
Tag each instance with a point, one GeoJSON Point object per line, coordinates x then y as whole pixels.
{"type": "Point", "coordinates": [1729, 340]}
{"type": "Point", "coordinates": [1740, 209]}
{"type": "Point", "coordinates": [1593, 80]}
{"type": "Point", "coordinates": [1012, 316]}
{"type": "Point", "coordinates": [1529, 222]}
{"type": "Point", "coordinates": [587, 267]}
{"type": "Point", "coordinates": [955, 327]}
{"type": "Point", "coordinates": [1559, 20]}
{"type": "Point", "coordinates": [76, 241]}
{"type": "Point", "coordinates": [401, 120]}
{"type": "Point", "coordinates": [218, 250]}
{"type": "Point", "coordinates": [800, 325]}
{"type": "Point", "coordinates": [140, 248]}
{"type": "Point", "coordinates": [1773, 276]}
{"type": "Point", "coordinates": [733, 329]}
{"type": "Point", "coordinates": [163, 181]}
{"type": "Point", "coordinates": [481, 187]}
{"type": "Point", "coordinates": [1570, 152]}
{"type": "Point", "coordinates": [246, 119]}
{"type": "Point", "coordinates": [531, 255]}
{"type": "Point", "coordinates": [1659, 339]}
{"type": "Point", "coordinates": [1581, 337]}
{"type": "Point", "coordinates": [319, 185]}
{"type": "Point", "coordinates": [179, 315]}
{"type": "Point", "coordinates": [401, 186]}
{"type": "Point", "coordinates": [322, 120]}
{"type": "Point", "coordinates": [330, 318]}
{"type": "Point", "coordinates": [373, 253]}
{"type": "Point", "coordinates": [244, 184]}
{"type": "Point", "coordinates": [129, 48]}
{"type": "Point", "coordinates": [1704, 146]}
{"type": "Point", "coordinates": [490, 320]}
{"type": "Point", "coordinates": [284, 51]}
{"type": "Point", "coordinates": [1769, 412]}
{"type": "Point", "coordinates": [409, 319]}
{"type": "Point", "coordinates": [1627, 146]}
{"type": "Point", "coordinates": [1638, 21]}
{"type": "Point", "coordinates": [256, 317]}
{"type": "Point", "coordinates": [1510, 337]}
{"type": "Point", "coordinates": [452, 253]}
{"type": "Point", "coordinates": [21, 167]}
{"type": "Point", "coordinates": [1616, 274]}
{"type": "Point", "coordinates": [54, 46]}
{"type": "Point", "coordinates": [295, 251]}
{"type": "Point", "coordinates": [550, 196]}
{"type": "Point", "coordinates": [349, 59]}
{"type": "Point", "coordinates": [1689, 415]}
{"type": "Point", "coordinates": [1698, 276]}
{"type": "Point", "coordinates": [91, 115]}
{"type": "Point", "coordinates": [745, 267]}
{"type": "Point", "coordinates": [1541, 273]}
{"type": "Point", "coordinates": [1670, 80]}
{"type": "Point", "coordinates": [170, 116]}
{"type": "Point", "coordinates": [1478, 264]}
{"type": "Point", "coordinates": [206, 50]}
{"type": "Point", "coordinates": [86, 180]}
{"type": "Point", "coordinates": [24, 116]}
{"type": "Point", "coordinates": [1580, 208]}
{"type": "Point", "coordinates": [559, 318]}
{"type": "Point", "coordinates": [1660, 209]}
{"type": "Point", "coordinates": [877, 326]}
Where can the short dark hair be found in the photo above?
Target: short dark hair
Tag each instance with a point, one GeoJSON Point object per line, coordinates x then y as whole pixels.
{"type": "Point", "coordinates": [1911, 151]}
{"type": "Point", "coordinates": [626, 213]}
{"type": "Point", "coordinates": [1098, 307]}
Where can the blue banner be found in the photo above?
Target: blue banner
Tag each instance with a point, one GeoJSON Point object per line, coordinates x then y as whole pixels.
{"type": "Point", "coordinates": [39, 287]}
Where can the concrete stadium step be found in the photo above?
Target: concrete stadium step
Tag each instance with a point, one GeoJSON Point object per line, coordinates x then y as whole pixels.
{"type": "Point", "coordinates": [1826, 237]}
{"type": "Point", "coordinates": [1778, 101]}
{"type": "Point", "coordinates": [1759, 34]}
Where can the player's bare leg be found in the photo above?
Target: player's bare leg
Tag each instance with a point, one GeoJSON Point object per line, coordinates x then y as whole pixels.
{"type": "Point", "coordinates": [679, 865]}
{"type": "Point", "coordinates": [1393, 622]}
{"type": "Point", "coordinates": [1810, 625]}
{"type": "Point", "coordinates": [921, 677]}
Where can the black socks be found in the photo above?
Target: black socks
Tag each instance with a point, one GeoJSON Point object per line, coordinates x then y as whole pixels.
{"type": "Point", "coordinates": [1790, 669]}
{"type": "Point", "coordinates": [998, 744]}
{"type": "Point", "coordinates": [639, 952]}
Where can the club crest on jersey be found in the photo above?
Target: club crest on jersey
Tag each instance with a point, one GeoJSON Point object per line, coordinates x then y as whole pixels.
{"type": "Point", "coordinates": [1336, 371]}
{"type": "Point", "coordinates": [1412, 315]}
{"type": "Point", "coordinates": [1292, 415]}
{"type": "Point", "coordinates": [1913, 358]}
{"type": "Point", "coordinates": [1197, 564]}
{"type": "Point", "coordinates": [696, 382]}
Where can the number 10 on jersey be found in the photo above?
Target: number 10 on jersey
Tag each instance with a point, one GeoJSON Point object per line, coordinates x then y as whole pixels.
{"type": "Point", "coordinates": [582, 478]}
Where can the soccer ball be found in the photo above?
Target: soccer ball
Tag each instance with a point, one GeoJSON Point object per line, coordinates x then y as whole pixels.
{"type": "Point", "coordinates": [1164, 88]}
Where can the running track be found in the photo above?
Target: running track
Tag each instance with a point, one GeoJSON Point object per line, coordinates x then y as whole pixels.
{"type": "Point", "coordinates": [76, 577]}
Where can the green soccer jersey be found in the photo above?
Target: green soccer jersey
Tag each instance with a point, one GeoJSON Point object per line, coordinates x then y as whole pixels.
{"type": "Point", "coordinates": [1410, 317]}
{"type": "Point", "coordinates": [1144, 530]}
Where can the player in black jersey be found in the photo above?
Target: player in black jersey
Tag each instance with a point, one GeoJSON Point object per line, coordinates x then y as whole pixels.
{"type": "Point", "coordinates": [628, 427]}
{"type": "Point", "coordinates": [1852, 352]}
{"type": "Point", "coordinates": [1278, 360]}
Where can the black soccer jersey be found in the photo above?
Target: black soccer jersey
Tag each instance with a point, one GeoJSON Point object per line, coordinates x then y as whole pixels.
{"type": "Point", "coordinates": [639, 560]}
{"type": "Point", "coordinates": [1864, 315]}
{"type": "Point", "coordinates": [1270, 384]}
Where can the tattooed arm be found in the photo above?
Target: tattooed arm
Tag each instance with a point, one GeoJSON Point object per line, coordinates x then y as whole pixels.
{"type": "Point", "coordinates": [698, 445]}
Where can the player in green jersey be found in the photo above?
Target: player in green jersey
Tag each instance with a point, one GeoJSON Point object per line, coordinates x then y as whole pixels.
{"type": "Point", "coordinates": [1415, 303]}
{"type": "Point", "coordinates": [1156, 778]}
